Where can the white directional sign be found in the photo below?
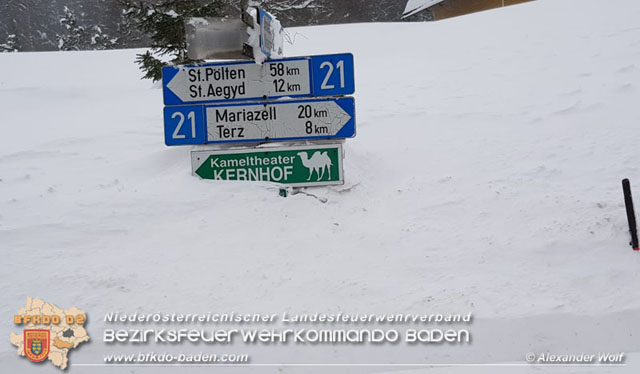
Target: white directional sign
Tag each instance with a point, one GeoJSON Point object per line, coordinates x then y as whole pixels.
{"type": "Point", "coordinates": [239, 81]}
{"type": "Point", "coordinates": [328, 75]}
{"type": "Point", "coordinates": [258, 122]}
{"type": "Point", "coordinates": [280, 121]}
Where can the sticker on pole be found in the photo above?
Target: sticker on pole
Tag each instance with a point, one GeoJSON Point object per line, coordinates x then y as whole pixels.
{"type": "Point", "coordinates": [271, 39]}
{"type": "Point", "coordinates": [315, 165]}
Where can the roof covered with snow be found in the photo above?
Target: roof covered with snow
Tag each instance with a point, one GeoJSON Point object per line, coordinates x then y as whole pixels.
{"type": "Point", "coordinates": [415, 6]}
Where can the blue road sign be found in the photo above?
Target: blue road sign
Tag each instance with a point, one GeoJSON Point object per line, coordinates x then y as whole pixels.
{"type": "Point", "coordinates": [258, 122]}
{"type": "Point", "coordinates": [326, 75]}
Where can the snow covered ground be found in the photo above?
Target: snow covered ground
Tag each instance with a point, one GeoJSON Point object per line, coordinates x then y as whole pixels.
{"type": "Point", "coordinates": [485, 178]}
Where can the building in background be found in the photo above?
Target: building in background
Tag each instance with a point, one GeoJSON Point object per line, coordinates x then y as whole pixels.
{"type": "Point", "coordinates": [441, 9]}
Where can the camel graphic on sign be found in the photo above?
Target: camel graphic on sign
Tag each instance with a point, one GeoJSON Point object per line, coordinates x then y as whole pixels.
{"type": "Point", "coordinates": [318, 162]}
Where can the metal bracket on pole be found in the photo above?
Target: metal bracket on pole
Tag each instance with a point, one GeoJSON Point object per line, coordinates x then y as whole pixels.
{"type": "Point", "coordinates": [247, 19]}
{"type": "Point", "coordinates": [247, 50]}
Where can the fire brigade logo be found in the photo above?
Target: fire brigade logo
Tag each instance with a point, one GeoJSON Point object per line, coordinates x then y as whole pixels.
{"type": "Point", "coordinates": [49, 333]}
{"type": "Point", "coordinates": [36, 344]}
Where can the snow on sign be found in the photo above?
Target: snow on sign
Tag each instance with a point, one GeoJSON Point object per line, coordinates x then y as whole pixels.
{"type": "Point", "coordinates": [256, 122]}
{"type": "Point", "coordinates": [313, 165]}
{"type": "Point", "coordinates": [327, 75]}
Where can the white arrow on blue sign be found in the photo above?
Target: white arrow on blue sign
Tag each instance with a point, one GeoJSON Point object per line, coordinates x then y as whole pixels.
{"type": "Point", "coordinates": [258, 122]}
{"type": "Point", "coordinates": [326, 75]}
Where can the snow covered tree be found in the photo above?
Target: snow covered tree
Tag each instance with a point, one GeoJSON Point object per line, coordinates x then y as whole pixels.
{"type": "Point", "coordinates": [164, 22]}
{"type": "Point", "coordinates": [72, 40]}
{"type": "Point", "coordinates": [78, 37]}
{"type": "Point", "coordinates": [299, 12]}
{"type": "Point", "coordinates": [314, 12]}
{"type": "Point", "coordinates": [100, 40]}
{"type": "Point", "coordinates": [11, 45]}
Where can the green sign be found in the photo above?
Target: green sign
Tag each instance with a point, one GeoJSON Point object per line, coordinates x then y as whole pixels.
{"type": "Point", "coordinates": [314, 165]}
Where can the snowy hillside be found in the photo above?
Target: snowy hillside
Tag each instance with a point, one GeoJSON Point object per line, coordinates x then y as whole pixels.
{"type": "Point", "coordinates": [484, 178]}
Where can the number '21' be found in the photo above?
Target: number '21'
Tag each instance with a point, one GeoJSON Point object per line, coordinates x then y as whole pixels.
{"type": "Point", "coordinates": [192, 117]}
{"type": "Point", "coordinates": [340, 66]}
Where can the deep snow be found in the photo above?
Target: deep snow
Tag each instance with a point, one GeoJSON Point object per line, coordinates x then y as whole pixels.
{"type": "Point", "coordinates": [485, 178]}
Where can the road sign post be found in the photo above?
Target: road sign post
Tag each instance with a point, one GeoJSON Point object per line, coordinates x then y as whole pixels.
{"type": "Point", "coordinates": [288, 99]}
{"type": "Point", "coordinates": [259, 122]}
{"type": "Point", "coordinates": [326, 75]}
{"type": "Point", "coordinates": [313, 165]}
